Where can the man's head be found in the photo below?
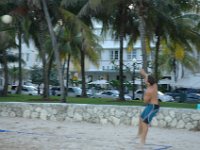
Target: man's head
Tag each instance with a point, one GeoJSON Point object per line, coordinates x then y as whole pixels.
{"type": "Point", "coordinates": [151, 80]}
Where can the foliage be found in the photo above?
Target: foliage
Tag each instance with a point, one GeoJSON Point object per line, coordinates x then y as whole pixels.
{"type": "Point", "coordinates": [115, 84]}
{"type": "Point", "coordinates": [37, 76]}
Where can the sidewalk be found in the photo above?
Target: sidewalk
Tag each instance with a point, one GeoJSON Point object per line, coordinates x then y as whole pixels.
{"type": "Point", "coordinates": [29, 134]}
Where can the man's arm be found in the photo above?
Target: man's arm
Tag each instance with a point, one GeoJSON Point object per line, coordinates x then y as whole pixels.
{"type": "Point", "coordinates": [144, 74]}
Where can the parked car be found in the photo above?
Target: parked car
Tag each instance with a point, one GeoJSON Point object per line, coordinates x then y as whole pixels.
{"type": "Point", "coordinates": [185, 94]}
{"type": "Point", "coordinates": [164, 97]}
{"type": "Point", "coordinates": [178, 94]}
{"type": "Point", "coordinates": [55, 91]}
{"type": "Point", "coordinates": [90, 92]}
{"type": "Point", "coordinates": [192, 98]}
{"type": "Point", "coordinates": [127, 97]}
{"type": "Point", "coordinates": [161, 96]}
{"type": "Point", "coordinates": [29, 90]}
{"type": "Point", "coordinates": [72, 91]}
{"type": "Point", "coordinates": [26, 90]}
{"type": "Point", "coordinates": [113, 94]}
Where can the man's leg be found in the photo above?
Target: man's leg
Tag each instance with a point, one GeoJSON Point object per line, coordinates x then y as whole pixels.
{"type": "Point", "coordinates": [139, 128]}
{"type": "Point", "coordinates": [144, 132]}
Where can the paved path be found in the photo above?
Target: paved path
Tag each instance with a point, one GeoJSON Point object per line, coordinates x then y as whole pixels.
{"type": "Point", "coordinates": [29, 134]}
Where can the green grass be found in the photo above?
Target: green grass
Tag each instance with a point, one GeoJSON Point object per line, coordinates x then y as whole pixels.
{"type": "Point", "coordinates": [97, 101]}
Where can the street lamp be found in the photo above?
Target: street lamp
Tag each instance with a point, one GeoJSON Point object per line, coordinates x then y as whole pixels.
{"type": "Point", "coordinates": [133, 77]}
{"type": "Point", "coordinates": [6, 19]}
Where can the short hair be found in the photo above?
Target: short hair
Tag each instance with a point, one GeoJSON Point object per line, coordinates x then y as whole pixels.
{"type": "Point", "coordinates": [151, 80]}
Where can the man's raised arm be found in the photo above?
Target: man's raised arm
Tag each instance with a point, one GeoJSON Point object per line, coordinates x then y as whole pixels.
{"type": "Point", "coordinates": [143, 73]}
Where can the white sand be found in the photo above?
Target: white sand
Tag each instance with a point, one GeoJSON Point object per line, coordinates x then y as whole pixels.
{"type": "Point", "coordinates": [29, 134]}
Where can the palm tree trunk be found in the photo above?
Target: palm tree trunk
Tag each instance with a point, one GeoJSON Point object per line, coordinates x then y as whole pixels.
{"type": "Point", "coordinates": [56, 52]}
{"type": "Point", "coordinates": [142, 39]}
{"type": "Point", "coordinates": [67, 74]}
{"type": "Point", "coordinates": [143, 43]}
{"type": "Point", "coordinates": [45, 79]}
{"type": "Point", "coordinates": [5, 68]}
{"type": "Point", "coordinates": [121, 74]}
{"type": "Point", "coordinates": [50, 62]}
{"type": "Point", "coordinates": [142, 35]}
{"type": "Point", "coordinates": [83, 70]}
{"type": "Point", "coordinates": [20, 58]}
{"type": "Point", "coordinates": [42, 28]}
{"type": "Point", "coordinates": [121, 41]}
{"type": "Point", "coordinates": [156, 58]}
{"type": "Point", "coordinates": [174, 70]}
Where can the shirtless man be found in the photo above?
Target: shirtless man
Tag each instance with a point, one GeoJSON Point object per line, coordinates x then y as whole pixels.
{"type": "Point", "coordinates": [152, 106]}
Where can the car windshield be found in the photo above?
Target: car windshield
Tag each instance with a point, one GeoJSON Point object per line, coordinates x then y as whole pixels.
{"type": "Point", "coordinates": [114, 91]}
{"type": "Point", "coordinates": [160, 93]}
{"type": "Point", "coordinates": [31, 88]}
{"type": "Point", "coordinates": [77, 89]}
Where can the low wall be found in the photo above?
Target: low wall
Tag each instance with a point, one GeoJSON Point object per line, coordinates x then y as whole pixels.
{"type": "Point", "coordinates": [103, 114]}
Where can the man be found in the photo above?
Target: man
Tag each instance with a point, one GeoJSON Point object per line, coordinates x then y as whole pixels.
{"type": "Point", "coordinates": [152, 106]}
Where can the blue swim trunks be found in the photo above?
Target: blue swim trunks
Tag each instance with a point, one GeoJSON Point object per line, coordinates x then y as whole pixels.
{"type": "Point", "coordinates": [149, 112]}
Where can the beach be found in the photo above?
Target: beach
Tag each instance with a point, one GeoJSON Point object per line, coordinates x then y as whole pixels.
{"type": "Point", "coordinates": [35, 134]}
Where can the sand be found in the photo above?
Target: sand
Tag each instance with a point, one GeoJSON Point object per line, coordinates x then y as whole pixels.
{"type": "Point", "coordinates": [33, 134]}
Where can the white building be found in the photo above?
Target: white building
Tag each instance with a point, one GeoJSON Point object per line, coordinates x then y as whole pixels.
{"type": "Point", "coordinates": [29, 55]}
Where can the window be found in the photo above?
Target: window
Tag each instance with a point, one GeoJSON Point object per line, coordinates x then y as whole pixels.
{"type": "Point", "coordinates": [131, 55]}
{"type": "Point", "coordinates": [70, 90]}
{"type": "Point", "coordinates": [114, 55]}
{"type": "Point", "coordinates": [24, 89]}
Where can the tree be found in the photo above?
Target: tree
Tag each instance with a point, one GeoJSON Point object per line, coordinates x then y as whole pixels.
{"type": "Point", "coordinates": [19, 25]}
{"type": "Point", "coordinates": [40, 36]}
{"type": "Point", "coordinates": [55, 48]}
{"type": "Point", "coordinates": [114, 15]}
{"type": "Point", "coordinates": [86, 40]}
{"type": "Point", "coordinates": [160, 20]}
{"type": "Point", "coordinates": [175, 30]}
{"type": "Point", "coordinates": [6, 42]}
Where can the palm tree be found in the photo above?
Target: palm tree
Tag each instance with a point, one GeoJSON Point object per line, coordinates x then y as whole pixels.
{"type": "Point", "coordinates": [173, 58]}
{"type": "Point", "coordinates": [158, 21]}
{"type": "Point", "coordinates": [39, 33]}
{"type": "Point", "coordinates": [141, 10]}
{"type": "Point", "coordinates": [173, 26]}
{"type": "Point", "coordinates": [36, 4]}
{"type": "Point", "coordinates": [114, 15]}
{"type": "Point", "coordinates": [55, 48]}
{"type": "Point", "coordinates": [119, 26]}
{"type": "Point", "coordinates": [21, 26]}
{"type": "Point", "coordinates": [7, 42]}
{"type": "Point", "coordinates": [88, 43]}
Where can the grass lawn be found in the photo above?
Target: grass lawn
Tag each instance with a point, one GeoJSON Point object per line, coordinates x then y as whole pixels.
{"type": "Point", "coordinates": [55, 99]}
